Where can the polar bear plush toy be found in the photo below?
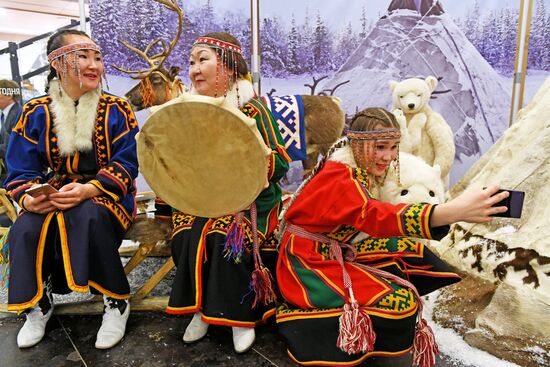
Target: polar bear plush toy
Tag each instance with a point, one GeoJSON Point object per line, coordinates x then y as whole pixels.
{"type": "Point", "coordinates": [420, 182]}
{"type": "Point", "coordinates": [424, 133]}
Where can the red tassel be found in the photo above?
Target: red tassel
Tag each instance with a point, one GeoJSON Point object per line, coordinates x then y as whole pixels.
{"type": "Point", "coordinates": [234, 240]}
{"type": "Point", "coordinates": [356, 331]}
{"type": "Point", "coordinates": [425, 347]}
{"type": "Point", "coordinates": [262, 284]}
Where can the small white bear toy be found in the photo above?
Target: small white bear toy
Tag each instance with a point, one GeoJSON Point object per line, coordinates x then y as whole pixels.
{"type": "Point", "coordinates": [424, 133]}
{"type": "Point", "coordinates": [420, 182]}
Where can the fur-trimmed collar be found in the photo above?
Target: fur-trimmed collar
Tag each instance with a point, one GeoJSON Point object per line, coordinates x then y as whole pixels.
{"type": "Point", "coordinates": [343, 155]}
{"type": "Point", "coordinates": [74, 125]}
{"type": "Point", "coordinates": [246, 93]}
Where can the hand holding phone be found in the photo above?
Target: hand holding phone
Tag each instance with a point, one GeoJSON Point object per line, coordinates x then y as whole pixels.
{"type": "Point", "coordinates": [514, 203]}
{"type": "Point", "coordinates": [42, 189]}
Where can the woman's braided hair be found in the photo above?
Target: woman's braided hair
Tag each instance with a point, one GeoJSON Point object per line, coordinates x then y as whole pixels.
{"type": "Point", "coordinates": [365, 120]}
{"type": "Point", "coordinates": [369, 119]}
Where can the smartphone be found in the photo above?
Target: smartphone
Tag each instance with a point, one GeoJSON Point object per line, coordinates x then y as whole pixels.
{"type": "Point", "coordinates": [514, 203]}
{"type": "Point", "coordinates": [42, 189]}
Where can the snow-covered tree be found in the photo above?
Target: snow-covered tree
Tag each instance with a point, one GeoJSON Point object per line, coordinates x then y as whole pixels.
{"type": "Point", "coordinates": [205, 19]}
{"type": "Point", "coordinates": [273, 47]}
{"type": "Point", "coordinates": [293, 48]}
{"type": "Point", "coordinates": [471, 25]}
{"type": "Point", "coordinates": [106, 25]}
{"type": "Point", "coordinates": [364, 23]}
{"type": "Point", "coordinates": [346, 44]}
{"type": "Point", "coordinates": [322, 46]}
{"type": "Point", "coordinates": [540, 39]}
{"type": "Point", "coordinates": [489, 42]}
{"type": "Point", "coordinates": [305, 40]}
{"type": "Point", "coordinates": [141, 28]}
{"type": "Point", "coordinates": [180, 55]}
{"type": "Point", "coordinates": [238, 24]}
{"type": "Point", "coordinates": [509, 32]}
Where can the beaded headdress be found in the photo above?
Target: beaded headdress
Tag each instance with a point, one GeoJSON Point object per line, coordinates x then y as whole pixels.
{"type": "Point", "coordinates": [374, 134]}
{"type": "Point", "coordinates": [226, 60]}
{"type": "Point", "coordinates": [65, 55]}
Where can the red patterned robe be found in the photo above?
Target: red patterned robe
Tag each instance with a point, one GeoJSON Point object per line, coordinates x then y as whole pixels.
{"type": "Point", "coordinates": [337, 203]}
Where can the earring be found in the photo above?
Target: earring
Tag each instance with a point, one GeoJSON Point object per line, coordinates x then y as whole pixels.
{"type": "Point", "coordinates": [218, 70]}
{"type": "Point", "coordinates": [397, 167]}
{"type": "Point", "coordinates": [236, 72]}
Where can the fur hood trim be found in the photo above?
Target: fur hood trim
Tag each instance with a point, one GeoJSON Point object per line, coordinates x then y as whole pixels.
{"type": "Point", "coordinates": [74, 126]}
{"type": "Point", "coordinates": [343, 155]}
{"type": "Point", "coordinates": [246, 93]}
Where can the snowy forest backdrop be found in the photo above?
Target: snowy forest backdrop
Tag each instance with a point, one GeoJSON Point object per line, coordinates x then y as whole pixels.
{"type": "Point", "coordinates": [304, 41]}
{"type": "Point", "coordinates": [298, 44]}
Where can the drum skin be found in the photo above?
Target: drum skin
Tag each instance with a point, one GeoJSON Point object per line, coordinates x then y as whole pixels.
{"type": "Point", "coordinates": [202, 156]}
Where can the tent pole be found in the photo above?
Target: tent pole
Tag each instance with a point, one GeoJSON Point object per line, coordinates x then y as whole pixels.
{"type": "Point", "coordinates": [255, 44]}
{"type": "Point", "coordinates": [82, 10]}
{"type": "Point", "coordinates": [522, 52]}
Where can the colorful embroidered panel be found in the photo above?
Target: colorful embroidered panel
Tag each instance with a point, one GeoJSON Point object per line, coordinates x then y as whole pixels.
{"type": "Point", "coordinates": [289, 114]}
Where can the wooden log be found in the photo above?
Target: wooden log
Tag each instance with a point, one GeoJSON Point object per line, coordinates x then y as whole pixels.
{"type": "Point", "coordinates": [138, 257]}
{"type": "Point", "coordinates": [96, 307]}
{"type": "Point", "coordinates": [161, 249]}
{"type": "Point", "coordinates": [6, 203]}
{"type": "Point", "coordinates": [155, 279]}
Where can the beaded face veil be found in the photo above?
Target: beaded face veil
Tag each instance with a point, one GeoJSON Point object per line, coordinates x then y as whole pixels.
{"type": "Point", "coordinates": [68, 59]}
{"type": "Point", "coordinates": [358, 139]}
{"type": "Point", "coordinates": [226, 63]}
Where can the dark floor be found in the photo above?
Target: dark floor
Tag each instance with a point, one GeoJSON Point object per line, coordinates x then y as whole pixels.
{"type": "Point", "coordinates": [152, 339]}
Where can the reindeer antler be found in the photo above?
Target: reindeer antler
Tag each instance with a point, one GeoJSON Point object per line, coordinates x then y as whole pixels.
{"type": "Point", "coordinates": [155, 61]}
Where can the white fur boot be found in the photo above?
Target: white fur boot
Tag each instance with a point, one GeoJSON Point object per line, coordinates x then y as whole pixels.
{"type": "Point", "coordinates": [34, 328]}
{"type": "Point", "coordinates": [113, 326]}
{"type": "Point", "coordinates": [243, 338]}
{"type": "Point", "coordinates": [196, 330]}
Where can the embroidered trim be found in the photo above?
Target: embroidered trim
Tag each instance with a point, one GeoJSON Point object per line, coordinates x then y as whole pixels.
{"type": "Point", "coordinates": [218, 44]}
{"type": "Point", "coordinates": [64, 50]}
{"type": "Point", "coordinates": [374, 134]}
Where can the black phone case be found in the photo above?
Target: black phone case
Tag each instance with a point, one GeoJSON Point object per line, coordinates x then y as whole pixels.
{"type": "Point", "coordinates": [514, 203]}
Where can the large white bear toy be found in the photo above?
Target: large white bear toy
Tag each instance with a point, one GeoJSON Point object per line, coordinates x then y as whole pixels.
{"type": "Point", "coordinates": [425, 133]}
{"type": "Point", "coordinates": [420, 182]}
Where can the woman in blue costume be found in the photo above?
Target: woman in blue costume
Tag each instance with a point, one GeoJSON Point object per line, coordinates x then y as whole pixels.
{"type": "Point", "coordinates": [80, 140]}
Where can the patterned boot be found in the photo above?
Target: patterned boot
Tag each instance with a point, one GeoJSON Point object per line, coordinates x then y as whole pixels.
{"type": "Point", "coordinates": [34, 328]}
{"type": "Point", "coordinates": [113, 326]}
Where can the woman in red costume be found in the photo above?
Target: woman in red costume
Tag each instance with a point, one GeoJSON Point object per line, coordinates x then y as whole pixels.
{"type": "Point", "coordinates": [349, 269]}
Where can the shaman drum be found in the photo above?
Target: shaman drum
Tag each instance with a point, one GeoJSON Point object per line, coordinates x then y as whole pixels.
{"type": "Point", "coordinates": [202, 156]}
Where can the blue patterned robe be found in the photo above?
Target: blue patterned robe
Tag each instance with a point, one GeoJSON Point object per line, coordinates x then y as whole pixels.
{"type": "Point", "coordinates": [78, 246]}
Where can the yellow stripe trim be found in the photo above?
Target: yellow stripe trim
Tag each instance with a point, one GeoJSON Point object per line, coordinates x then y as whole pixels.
{"type": "Point", "coordinates": [38, 268]}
